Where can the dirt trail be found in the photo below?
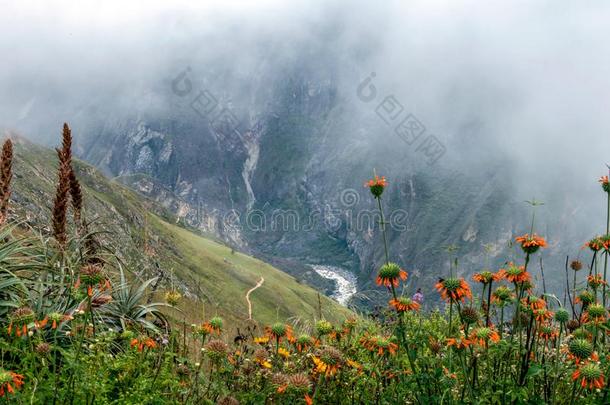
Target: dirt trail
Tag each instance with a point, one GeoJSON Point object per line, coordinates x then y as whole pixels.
{"type": "Point", "coordinates": [260, 282]}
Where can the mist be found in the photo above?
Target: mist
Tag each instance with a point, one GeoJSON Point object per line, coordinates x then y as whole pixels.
{"type": "Point", "coordinates": [521, 83]}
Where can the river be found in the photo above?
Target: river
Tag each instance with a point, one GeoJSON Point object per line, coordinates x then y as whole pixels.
{"type": "Point", "coordinates": [345, 281]}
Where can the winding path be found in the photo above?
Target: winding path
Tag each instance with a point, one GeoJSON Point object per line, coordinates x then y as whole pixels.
{"type": "Point", "coordinates": [260, 282]}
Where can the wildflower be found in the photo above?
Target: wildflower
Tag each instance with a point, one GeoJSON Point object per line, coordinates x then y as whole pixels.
{"type": "Point", "coordinates": [533, 303]}
{"type": "Point", "coordinates": [390, 274]}
{"type": "Point", "coordinates": [531, 243]}
{"type": "Point", "coordinates": [323, 327]}
{"type": "Point", "coordinates": [304, 342]}
{"type": "Point", "coordinates": [404, 304]}
{"type": "Point", "coordinates": [516, 274]}
{"type": "Point", "coordinates": [42, 323]}
{"type": "Point", "coordinates": [280, 382]}
{"type": "Point", "coordinates": [283, 352]}
{"type": "Point", "coordinates": [308, 400]}
{"type": "Point", "coordinates": [262, 340]}
{"type": "Point", "coordinates": [585, 298]}
{"type": "Point", "coordinates": [260, 356]}
{"type": "Point", "coordinates": [542, 315]}
{"type": "Point", "coordinates": [376, 185]}
{"type": "Point", "coordinates": [143, 342]}
{"type": "Point", "coordinates": [458, 342]}
{"type": "Point", "coordinates": [469, 315]}
{"type": "Point", "coordinates": [548, 332]}
{"type": "Point", "coordinates": [173, 297]}
{"type": "Point", "coordinates": [216, 350]}
{"type": "Point", "coordinates": [349, 324]}
{"type": "Point", "coordinates": [90, 276]}
{"type": "Point", "coordinates": [561, 315]}
{"type": "Point", "coordinates": [576, 265]}
{"type": "Point", "coordinates": [572, 324]}
{"type": "Point", "coordinates": [328, 361]}
{"type": "Point", "coordinates": [502, 296]}
{"type": "Point", "coordinates": [354, 364]}
{"type": "Point", "coordinates": [379, 344]}
{"type": "Point", "coordinates": [6, 174]}
{"type": "Point", "coordinates": [19, 319]}
{"type": "Point", "coordinates": [454, 289]}
{"type": "Point", "coordinates": [486, 277]}
{"type": "Point", "coordinates": [590, 376]}
{"type": "Point", "coordinates": [42, 348]}
{"type": "Point", "coordinates": [299, 382]}
{"type": "Point", "coordinates": [216, 324]}
{"type": "Point", "coordinates": [483, 335]}
{"type": "Point", "coordinates": [278, 331]}
{"type": "Point", "coordinates": [595, 281]}
{"type": "Point", "coordinates": [596, 244]}
{"type": "Point", "coordinates": [596, 313]}
{"type": "Point", "coordinates": [580, 348]}
{"type": "Point", "coordinates": [9, 381]}
{"type": "Point", "coordinates": [605, 184]}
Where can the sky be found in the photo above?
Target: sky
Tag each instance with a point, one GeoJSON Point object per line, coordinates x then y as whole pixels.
{"type": "Point", "coordinates": [526, 81]}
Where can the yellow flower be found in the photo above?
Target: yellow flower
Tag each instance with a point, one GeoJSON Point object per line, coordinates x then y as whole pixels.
{"type": "Point", "coordinates": [283, 352]}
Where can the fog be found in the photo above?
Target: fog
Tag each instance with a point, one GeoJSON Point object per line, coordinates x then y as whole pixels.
{"type": "Point", "coordinates": [526, 82]}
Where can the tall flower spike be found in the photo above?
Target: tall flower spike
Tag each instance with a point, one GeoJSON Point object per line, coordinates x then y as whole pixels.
{"type": "Point", "coordinates": [60, 204]}
{"type": "Point", "coordinates": [6, 174]}
{"type": "Point", "coordinates": [76, 197]}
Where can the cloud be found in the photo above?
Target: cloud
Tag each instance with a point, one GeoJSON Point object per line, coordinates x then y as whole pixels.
{"type": "Point", "coordinates": [519, 81]}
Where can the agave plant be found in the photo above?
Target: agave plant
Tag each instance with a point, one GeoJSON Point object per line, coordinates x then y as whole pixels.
{"type": "Point", "coordinates": [16, 256]}
{"type": "Point", "coordinates": [128, 306]}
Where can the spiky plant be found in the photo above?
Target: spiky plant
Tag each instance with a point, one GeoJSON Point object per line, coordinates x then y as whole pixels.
{"type": "Point", "coordinates": [60, 203]}
{"type": "Point", "coordinates": [6, 174]}
{"type": "Point", "coordinates": [128, 306]}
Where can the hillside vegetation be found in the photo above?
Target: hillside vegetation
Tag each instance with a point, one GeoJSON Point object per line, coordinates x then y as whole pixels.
{"type": "Point", "coordinates": [144, 236]}
{"type": "Point", "coordinates": [80, 323]}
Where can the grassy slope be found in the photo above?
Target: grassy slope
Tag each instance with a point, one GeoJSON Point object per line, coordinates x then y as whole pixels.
{"type": "Point", "coordinates": [214, 277]}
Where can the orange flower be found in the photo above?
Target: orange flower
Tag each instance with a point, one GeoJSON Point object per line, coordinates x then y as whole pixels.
{"type": "Point", "coordinates": [486, 277]}
{"type": "Point", "coordinates": [483, 335]}
{"type": "Point", "coordinates": [278, 331]}
{"type": "Point", "coordinates": [516, 274]}
{"type": "Point", "coordinates": [605, 184]}
{"type": "Point", "coordinates": [9, 381]}
{"type": "Point", "coordinates": [390, 274]}
{"type": "Point", "coordinates": [376, 185]}
{"type": "Point", "coordinates": [542, 315]}
{"type": "Point", "coordinates": [454, 289]}
{"type": "Point", "coordinates": [548, 333]}
{"type": "Point", "coordinates": [533, 303]}
{"type": "Point", "coordinates": [308, 400]}
{"type": "Point", "coordinates": [404, 304]}
{"type": "Point", "coordinates": [596, 244]}
{"type": "Point", "coordinates": [379, 344]}
{"type": "Point", "coordinates": [531, 243]}
{"type": "Point", "coordinates": [328, 361]}
{"type": "Point", "coordinates": [142, 343]}
{"type": "Point", "coordinates": [459, 342]}
{"type": "Point", "coordinates": [595, 281]}
{"type": "Point", "coordinates": [590, 376]}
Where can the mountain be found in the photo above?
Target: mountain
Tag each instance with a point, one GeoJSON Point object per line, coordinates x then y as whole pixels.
{"type": "Point", "coordinates": [152, 241]}
{"type": "Point", "coordinates": [279, 173]}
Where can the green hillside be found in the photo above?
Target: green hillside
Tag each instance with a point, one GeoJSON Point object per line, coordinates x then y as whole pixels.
{"type": "Point", "coordinates": [210, 276]}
